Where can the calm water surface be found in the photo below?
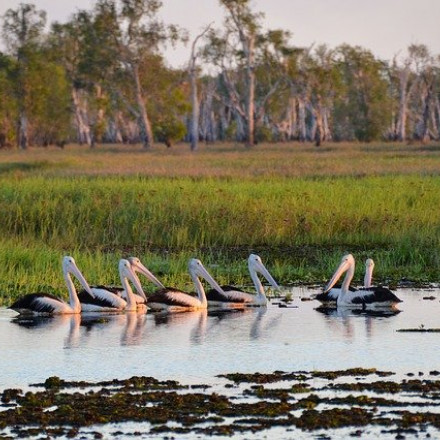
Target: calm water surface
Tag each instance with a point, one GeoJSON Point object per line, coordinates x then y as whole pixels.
{"type": "Point", "coordinates": [194, 347]}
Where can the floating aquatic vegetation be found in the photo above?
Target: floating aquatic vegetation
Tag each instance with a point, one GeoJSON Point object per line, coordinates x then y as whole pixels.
{"type": "Point", "coordinates": [60, 408]}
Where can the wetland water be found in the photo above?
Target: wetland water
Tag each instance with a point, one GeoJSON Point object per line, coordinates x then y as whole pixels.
{"type": "Point", "coordinates": [195, 347]}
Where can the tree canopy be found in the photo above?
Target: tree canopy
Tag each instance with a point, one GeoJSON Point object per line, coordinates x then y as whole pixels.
{"type": "Point", "coordinates": [101, 76]}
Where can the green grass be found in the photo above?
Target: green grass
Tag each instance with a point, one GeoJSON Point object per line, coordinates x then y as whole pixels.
{"type": "Point", "coordinates": [278, 201]}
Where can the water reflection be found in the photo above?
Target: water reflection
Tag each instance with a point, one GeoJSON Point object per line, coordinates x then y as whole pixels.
{"type": "Point", "coordinates": [73, 337]}
{"type": "Point", "coordinates": [80, 326]}
{"type": "Point", "coordinates": [215, 342]}
{"type": "Point", "coordinates": [195, 320]}
{"type": "Point", "coordinates": [347, 317]}
{"type": "Point", "coordinates": [346, 313]}
{"type": "Point", "coordinates": [134, 328]}
{"type": "Point", "coordinates": [39, 322]}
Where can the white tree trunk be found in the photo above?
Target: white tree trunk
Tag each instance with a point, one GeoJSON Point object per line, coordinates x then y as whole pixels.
{"type": "Point", "coordinates": [302, 120]}
{"type": "Point", "coordinates": [250, 104]}
{"type": "Point", "coordinates": [23, 131]}
{"type": "Point", "coordinates": [192, 71]}
{"type": "Point", "coordinates": [146, 132]}
{"type": "Point", "coordinates": [194, 133]}
{"type": "Point", "coordinates": [403, 104]}
{"type": "Point", "coordinates": [82, 127]}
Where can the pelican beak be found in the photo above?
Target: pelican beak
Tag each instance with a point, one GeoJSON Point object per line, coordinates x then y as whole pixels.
{"type": "Point", "coordinates": [343, 267]}
{"type": "Point", "coordinates": [261, 268]}
{"type": "Point", "coordinates": [80, 277]}
{"type": "Point", "coordinates": [131, 275]}
{"type": "Point", "coordinates": [202, 272]}
{"type": "Point", "coordinates": [139, 267]}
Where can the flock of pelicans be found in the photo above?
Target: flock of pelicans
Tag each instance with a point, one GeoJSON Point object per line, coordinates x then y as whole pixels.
{"type": "Point", "coordinates": [119, 299]}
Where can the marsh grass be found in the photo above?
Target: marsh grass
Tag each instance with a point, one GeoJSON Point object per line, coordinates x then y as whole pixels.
{"type": "Point", "coordinates": [227, 160]}
{"type": "Point", "coordinates": [299, 207]}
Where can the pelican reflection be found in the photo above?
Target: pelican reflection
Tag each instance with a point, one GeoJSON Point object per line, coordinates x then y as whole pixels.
{"type": "Point", "coordinates": [195, 320]}
{"type": "Point", "coordinates": [134, 328]}
{"type": "Point", "coordinates": [348, 317]}
{"type": "Point", "coordinates": [257, 329]}
{"type": "Point", "coordinates": [35, 322]}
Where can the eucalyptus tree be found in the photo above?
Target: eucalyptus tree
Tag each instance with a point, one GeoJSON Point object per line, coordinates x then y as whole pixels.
{"type": "Point", "coordinates": [49, 102]}
{"type": "Point", "coordinates": [325, 83]}
{"type": "Point", "coordinates": [68, 42]}
{"type": "Point", "coordinates": [137, 33]}
{"type": "Point", "coordinates": [364, 112]}
{"type": "Point", "coordinates": [270, 79]}
{"type": "Point", "coordinates": [237, 51]}
{"type": "Point", "coordinates": [22, 32]}
{"type": "Point", "coordinates": [169, 98]}
{"type": "Point", "coordinates": [403, 81]}
{"type": "Point", "coordinates": [193, 73]}
{"type": "Point", "coordinates": [8, 102]}
{"type": "Point", "coordinates": [426, 68]}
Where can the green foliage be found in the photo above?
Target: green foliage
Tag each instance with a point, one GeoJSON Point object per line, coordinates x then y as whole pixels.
{"type": "Point", "coordinates": [8, 103]}
{"type": "Point", "coordinates": [263, 134]}
{"type": "Point", "coordinates": [365, 109]}
{"type": "Point", "coordinates": [169, 130]}
{"type": "Point", "coordinates": [49, 104]}
{"type": "Point", "coordinates": [23, 27]}
{"type": "Point", "coordinates": [168, 99]}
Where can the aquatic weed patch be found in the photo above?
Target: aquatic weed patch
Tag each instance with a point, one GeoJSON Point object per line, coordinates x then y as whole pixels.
{"type": "Point", "coordinates": [61, 408]}
{"type": "Point", "coordinates": [408, 386]}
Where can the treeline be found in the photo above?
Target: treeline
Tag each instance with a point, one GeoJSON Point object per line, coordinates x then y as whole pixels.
{"type": "Point", "coordinates": [102, 77]}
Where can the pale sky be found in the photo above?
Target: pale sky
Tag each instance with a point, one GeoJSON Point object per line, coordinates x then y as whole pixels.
{"type": "Point", "coordinates": [386, 27]}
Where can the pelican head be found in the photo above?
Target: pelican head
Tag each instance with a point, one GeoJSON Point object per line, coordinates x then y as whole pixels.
{"type": "Point", "coordinates": [346, 262]}
{"type": "Point", "coordinates": [126, 271]}
{"type": "Point", "coordinates": [369, 264]}
{"type": "Point", "coordinates": [70, 267]}
{"type": "Point", "coordinates": [137, 266]}
{"type": "Point", "coordinates": [196, 268]}
{"type": "Point", "coordinates": [255, 264]}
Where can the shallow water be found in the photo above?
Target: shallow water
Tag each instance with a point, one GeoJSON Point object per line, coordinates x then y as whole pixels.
{"type": "Point", "coordinates": [194, 347]}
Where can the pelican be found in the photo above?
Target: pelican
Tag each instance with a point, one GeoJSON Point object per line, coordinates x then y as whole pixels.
{"type": "Point", "coordinates": [138, 267]}
{"type": "Point", "coordinates": [174, 300]}
{"type": "Point", "coordinates": [329, 298]}
{"type": "Point", "coordinates": [368, 297]}
{"type": "Point", "coordinates": [109, 292]}
{"type": "Point", "coordinates": [46, 304]}
{"type": "Point", "coordinates": [232, 297]}
{"type": "Point", "coordinates": [104, 300]}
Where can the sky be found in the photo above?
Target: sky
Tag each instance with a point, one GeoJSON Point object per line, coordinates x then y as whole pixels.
{"type": "Point", "coordinates": [386, 27]}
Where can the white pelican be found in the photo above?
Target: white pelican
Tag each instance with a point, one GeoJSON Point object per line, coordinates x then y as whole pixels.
{"type": "Point", "coordinates": [104, 300]}
{"type": "Point", "coordinates": [46, 304]}
{"type": "Point", "coordinates": [232, 297]}
{"type": "Point", "coordinates": [174, 300]}
{"type": "Point", "coordinates": [329, 298]}
{"type": "Point", "coordinates": [110, 291]}
{"type": "Point", "coordinates": [367, 297]}
{"type": "Point", "coordinates": [138, 267]}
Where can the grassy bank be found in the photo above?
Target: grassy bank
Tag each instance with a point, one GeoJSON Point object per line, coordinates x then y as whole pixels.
{"type": "Point", "coordinates": [300, 225]}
